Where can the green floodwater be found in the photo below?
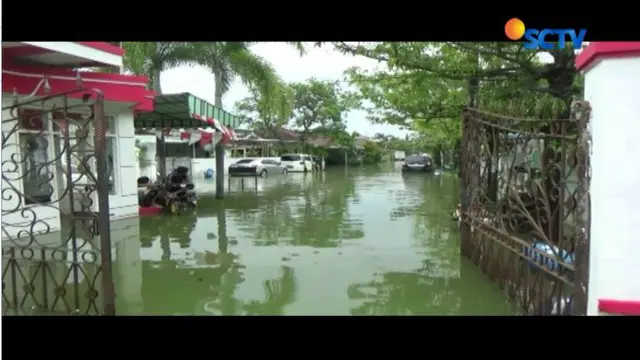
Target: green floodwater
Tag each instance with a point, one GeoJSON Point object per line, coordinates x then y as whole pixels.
{"type": "Point", "coordinates": [361, 241]}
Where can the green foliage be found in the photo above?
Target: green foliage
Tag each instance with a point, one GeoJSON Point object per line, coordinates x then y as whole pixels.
{"type": "Point", "coordinates": [312, 106]}
{"type": "Point", "coordinates": [142, 150]}
{"type": "Point", "coordinates": [372, 153]}
{"type": "Point", "coordinates": [316, 104]}
{"type": "Point", "coordinates": [268, 113]}
{"type": "Point", "coordinates": [426, 85]}
{"type": "Point", "coordinates": [151, 58]}
{"type": "Point", "coordinates": [231, 60]}
{"type": "Point", "coordinates": [227, 61]}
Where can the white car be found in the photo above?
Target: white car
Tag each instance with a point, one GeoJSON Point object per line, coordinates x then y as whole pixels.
{"type": "Point", "coordinates": [297, 162]}
{"type": "Point", "coordinates": [257, 167]}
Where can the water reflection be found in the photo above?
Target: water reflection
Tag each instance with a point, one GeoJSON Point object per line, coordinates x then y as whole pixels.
{"type": "Point", "coordinates": [299, 210]}
{"type": "Point", "coordinates": [279, 292]}
{"type": "Point", "coordinates": [357, 242]}
{"type": "Point", "coordinates": [49, 277]}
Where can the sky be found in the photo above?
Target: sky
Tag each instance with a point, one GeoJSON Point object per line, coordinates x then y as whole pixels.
{"type": "Point", "coordinates": [322, 63]}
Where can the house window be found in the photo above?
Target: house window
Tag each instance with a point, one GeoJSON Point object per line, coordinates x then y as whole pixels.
{"type": "Point", "coordinates": [35, 135]}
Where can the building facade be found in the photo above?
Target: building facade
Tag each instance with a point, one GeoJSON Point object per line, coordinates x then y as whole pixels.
{"type": "Point", "coordinates": [42, 98]}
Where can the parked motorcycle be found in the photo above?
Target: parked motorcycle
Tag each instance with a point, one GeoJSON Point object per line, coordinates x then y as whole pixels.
{"type": "Point", "coordinates": [175, 194]}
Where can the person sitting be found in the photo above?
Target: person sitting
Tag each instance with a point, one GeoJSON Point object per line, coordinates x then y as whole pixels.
{"type": "Point", "coordinates": [152, 197]}
{"type": "Point", "coordinates": [177, 177]}
{"type": "Point", "coordinates": [143, 181]}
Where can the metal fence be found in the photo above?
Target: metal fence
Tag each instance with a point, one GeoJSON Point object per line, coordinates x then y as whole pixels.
{"type": "Point", "coordinates": [525, 206]}
{"type": "Point", "coordinates": [55, 204]}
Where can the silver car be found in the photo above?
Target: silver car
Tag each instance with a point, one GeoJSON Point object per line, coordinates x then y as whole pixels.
{"type": "Point", "coordinates": [257, 167]}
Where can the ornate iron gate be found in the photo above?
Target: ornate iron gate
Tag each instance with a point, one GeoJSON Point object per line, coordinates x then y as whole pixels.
{"type": "Point", "coordinates": [56, 246]}
{"type": "Point", "coordinates": [525, 206]}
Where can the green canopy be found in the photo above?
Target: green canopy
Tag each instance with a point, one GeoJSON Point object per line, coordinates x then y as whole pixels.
{"type": "Point", "coordinates": [183, 110]}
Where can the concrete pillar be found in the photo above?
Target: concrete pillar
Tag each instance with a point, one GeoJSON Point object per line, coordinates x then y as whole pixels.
{"type": "Point", "coordinates": [128, 266]}
{"type": "Point", "coordinates": [612, 87]}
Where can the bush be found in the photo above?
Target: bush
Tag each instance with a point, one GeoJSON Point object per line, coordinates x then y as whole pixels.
{"type": "Point", "coordinates": [372, 153]}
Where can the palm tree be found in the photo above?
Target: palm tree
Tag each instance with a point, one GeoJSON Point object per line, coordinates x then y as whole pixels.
{"type": "Point", "coordinates": [152, 58]}
{"type": "Point", "coordinates": [230, 60]}
{"type": "Point", "coordinates": [227, 60]}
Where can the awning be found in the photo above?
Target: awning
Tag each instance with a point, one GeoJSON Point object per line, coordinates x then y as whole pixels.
{"type": "Point", "coordinates": [186, 111]}
{"type": "Point", "coordinates": [119, 88]}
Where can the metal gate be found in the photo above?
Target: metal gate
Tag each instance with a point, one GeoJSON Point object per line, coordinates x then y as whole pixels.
{"type": "Point", "coordinates": [525, 206]}
{"type": "Point", "coordinates": [56, 246]}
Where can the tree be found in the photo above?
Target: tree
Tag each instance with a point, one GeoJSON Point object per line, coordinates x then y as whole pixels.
{"type": "Point", "coordinates": [372, 153]}
{"type": "Point", "coordinates": [380, 136]}
{"type": "Point", "coordinates": [319, 105]}
{"type": "Point", "coordinates": [266, 113]}
{"type": "Point", "coordinates": [475, 63]}
{"type": "Point", "coordinates": [228, 60]}
{"type": "Point", "coordinates": [152, 58]}
{"type": "Point", "coordinates": [426, 85]}
{"type": "Point", "coordinates": [429, 106]}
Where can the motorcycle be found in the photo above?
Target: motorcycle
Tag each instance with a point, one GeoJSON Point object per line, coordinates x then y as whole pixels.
{"type": "Point", "coordinates": [172, 196]}
{"type": "Point", "coordinates": [182, 198]}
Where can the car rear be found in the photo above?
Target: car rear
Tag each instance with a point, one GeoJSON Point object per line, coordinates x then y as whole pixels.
{"type": "Point", "coordinates": [293, 162]}
{"type": "Point", "coordinates": [417, 163]}
{"type": "Point", "coordinates": [244, 167]}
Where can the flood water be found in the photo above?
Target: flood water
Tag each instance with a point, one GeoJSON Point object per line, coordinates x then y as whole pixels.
{"type": "Point", "coordinates": [362, 241]}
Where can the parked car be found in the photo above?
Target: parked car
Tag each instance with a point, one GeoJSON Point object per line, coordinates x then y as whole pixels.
{"type": "Point", "coordinates": [297, 162]}
{"type": "Point", "coordinates": [257, 167]}
{"type": "Point", "coordinates": [417, 163]}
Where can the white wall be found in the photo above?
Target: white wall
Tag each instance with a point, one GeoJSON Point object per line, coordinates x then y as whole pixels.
{"type": "Point", "coordinates": [149, 165]}
{"type": "Point", "coordinates": [612, 87]}
{"type": "Point", "coordinates": [125, 202]}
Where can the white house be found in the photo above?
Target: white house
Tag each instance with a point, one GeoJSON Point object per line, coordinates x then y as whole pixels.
{"type": "Point", "coordinates": [612, 87]}
{"type": "Point", "coordinates": [34, 135]}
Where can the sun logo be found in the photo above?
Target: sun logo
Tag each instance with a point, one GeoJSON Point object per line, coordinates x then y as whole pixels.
{"type": "Point", "coordinates": [514, 29]}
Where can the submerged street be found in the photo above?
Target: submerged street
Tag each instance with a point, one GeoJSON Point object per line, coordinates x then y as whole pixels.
{"type": "Point", "coordinates": [97, 133]}
{"type": "Point", "coordinates": [360, 241]}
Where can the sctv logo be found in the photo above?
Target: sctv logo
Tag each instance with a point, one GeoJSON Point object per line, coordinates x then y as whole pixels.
{"type": "Point", "coordinates": [515, 30]}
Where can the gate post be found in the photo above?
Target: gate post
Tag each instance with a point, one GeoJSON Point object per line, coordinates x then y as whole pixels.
{"type": "Point", "coordinates": [612, 85]}
{"type": "Point", "coordinates": [104, 226]}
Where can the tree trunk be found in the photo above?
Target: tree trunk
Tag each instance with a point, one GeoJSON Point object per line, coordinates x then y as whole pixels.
{"type": "Point", "coordinates": [162, 154]}
{"type": "Point", "coordinates": [156, 81]}
{"type": "Point", "coordinates": [219, 146]}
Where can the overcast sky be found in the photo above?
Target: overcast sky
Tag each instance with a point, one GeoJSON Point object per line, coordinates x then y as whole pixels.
{"type": "Point", "coordinates": [322, 63]}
